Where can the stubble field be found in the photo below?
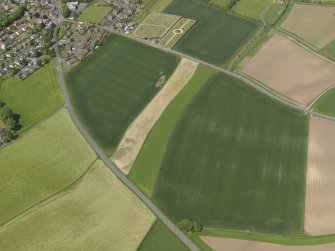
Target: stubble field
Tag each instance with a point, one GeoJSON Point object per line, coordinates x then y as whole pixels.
{"type": "Point", "coordinates": [313, 23]}
{"type": "Point", "coordinates": [112, 86]}
{"type": "Point", "coordinates": [275, 63]}
{"type": "Point", "coordinates": [320, 202]}
{"type": "Point", "coordinates": [236, 159]}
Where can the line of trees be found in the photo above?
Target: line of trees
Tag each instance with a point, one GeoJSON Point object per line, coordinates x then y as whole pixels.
{"type": "Point", "coordinates": [10, 122]}
{"type": "Point", "coordinates": [189, 226]}
{"type": "Point", "coordinates": [17, 14]}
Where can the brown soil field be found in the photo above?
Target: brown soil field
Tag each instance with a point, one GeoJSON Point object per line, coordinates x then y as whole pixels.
{"type": "Point", "coordinates": [137, 132]}
{"type": "Point", "coordinates": [225, 244]}
{"type": "Point", "coordinates": [320, 183]}
{"type": "Point", "coordinates": [313, 23]}
{"type": "Point", "coordinates": [290, 70]}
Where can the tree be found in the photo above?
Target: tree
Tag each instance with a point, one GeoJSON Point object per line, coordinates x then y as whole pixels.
{"type": "Point", "coordinates": [10, 123]}
{"type": "Point", "coordinates": [46, 59]}
{"type": "Point", "coordinates": [66, 11]}
{"type": "Point", "coordinates": [5, 113]}
{"type": "Point", "coordinates": [189, 226]}
{"type": "Point", "coordinates": [8, 136]}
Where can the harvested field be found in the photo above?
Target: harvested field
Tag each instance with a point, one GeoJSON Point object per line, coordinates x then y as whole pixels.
{"type": "Point", "coordinates": [136, 134]}
{"type": "Point", "coordinates": [220, 42]}
{"type": "Point", "coordinates": [224, 244]}
{"type": "Point", "coordinates": [313, 23]}
{"type": "Point", "coordinates": [291, 70]}
{"type": "Point", "coordinates": [42, 162]}
{"type": "Point", "coordinates": [234, 138]}
{"type": "Point", "coordinates": [155, 25]}
{"type": "Point", "coordinates": [97, 213]}
{"type": "Point", "coordinates": [176, 32]}
{"type": "Point", "coordinates": [114, 84]}
{"type": "Point", "coordinates": [320, 200]}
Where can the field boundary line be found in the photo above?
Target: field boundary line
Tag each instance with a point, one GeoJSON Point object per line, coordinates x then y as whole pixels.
{"type": "Point", "coordinates": [318, 97]}
{"type": "Point", "coordinates": [112, 167]}
{"type": "Point", "coordinates": [174, 34]}
{"type": "Point", "coordinates": [51, 197]}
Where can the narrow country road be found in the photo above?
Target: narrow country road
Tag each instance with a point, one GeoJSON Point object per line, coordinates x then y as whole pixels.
{"type": "Point", "coordinates": [111, 165]}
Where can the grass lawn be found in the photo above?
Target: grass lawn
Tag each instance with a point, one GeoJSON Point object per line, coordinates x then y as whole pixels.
{"type": "Point", "coordinates": [97, 213]}
{"type": "Point", "coordinates": [274, 13]}
{"type": "Point", "coordinates": [220, 42]}
{"type": "Point", "coordinates": [233, 138]}
{"type": "Point", "coordinates": [162, 239]}
{"type": "Point", "coordinates": [329, 51]}
{"type": "Point", "coordinates": [94, 13]}
{"type": "Point", "coordinates": [35, 97]}
{"type": "Point", "coordinates": [251, 8]}
{"type": "Point", "coordinates": [41, 163]}
{"type": "Point", "coordinates": [146, 167]}
{"type": "Point", "coordinates": [326, 103]}
{"type": "Point", "coordinates": [150, 7]}
{"type": "Point", "coordinates": [113, 85]}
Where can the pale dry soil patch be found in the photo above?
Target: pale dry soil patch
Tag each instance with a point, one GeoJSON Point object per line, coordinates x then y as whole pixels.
{"type": "Point", "coordinates": [137, 132]}
{"type": "Point", "coordinates": [320, 183]}
{"type": "Point", "coordinates": [290, 70]}
{"type": "Point", "coordinates": [98, 213]}
{"type": "Point", "coordinates": [225, 244]}
{"type": "Point", "coordinates": [313, 23]}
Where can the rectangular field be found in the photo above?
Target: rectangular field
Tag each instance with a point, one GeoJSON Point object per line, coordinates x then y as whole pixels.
{"type": "Point", "coordinates": [313, 23]}
{"type": "Point", "coordinates": [212, 38]}
{"type": "Point", "coordinates": [320, 201]}
{"type": "Point", "coordinates": [290, 70]}
{"type": "Point", "coordinates": [176, 32]}
{"type": "Point", "coordinates": [94, 13]}
{"type": "Point", "coordinates": [236, 159]}
{"type": "Point", "coordinates": [155, 25]}
{"type": "Point", "coordinates": [97, 213]}
{"type": "Point", "coordinates": [113, 85]}
{"type": "Point", "coordinates": [41, 163]}
{"type": "Point", "coordinates": [35, 97]}
{"type": "Point", "coordinates": [251, 8]}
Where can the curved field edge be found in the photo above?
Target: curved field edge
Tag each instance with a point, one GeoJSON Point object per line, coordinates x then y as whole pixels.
{"type": "Point", "coordinates": [325, 104]}
{"type": "Point", "coordinates": [139, 129]}
{"type": "Point", "coordinates": [147, 164]}
{"type": "Point", "coordinates": [35, 97]}
{"type": "Point", "coordinates": [162, 239]}
{"type": "Point", "coordinates": [97, 212]}
{"type": "Point", "coordinates": [268, 178]}
{"type": "Point", "coordinates": [41, 163]}
{"type": "Point", "coordinates": [112, 86]}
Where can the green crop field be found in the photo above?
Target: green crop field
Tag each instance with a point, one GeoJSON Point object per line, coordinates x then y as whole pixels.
{"type": "Point", "coordinates": [275, 11]}
{"type": "Point", "coordinates": [112, 86]}
{"type": "Point", "coordinates": [95, 13]}
{"type": "Point", "coordinates": [41, 163]}
{"type": "Point", "coordinates": [146, 167]}
{"type": "Point", "coordinates": [162, 239]}
{"type": "Point", "coordinates": [35, 97]}
{"type": "Point", "coordinates": [329, 51]}
{"type": "Point", "coordinates": [97, 213]}
{"type": "Point", "coordinates": [221, 41]}
{"type": "Point", "coordinates": [326, 103]}
{"type": "Point", "coordinates": [236, 159]}
{"type": "Point", "coordinates": [251, 8]}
